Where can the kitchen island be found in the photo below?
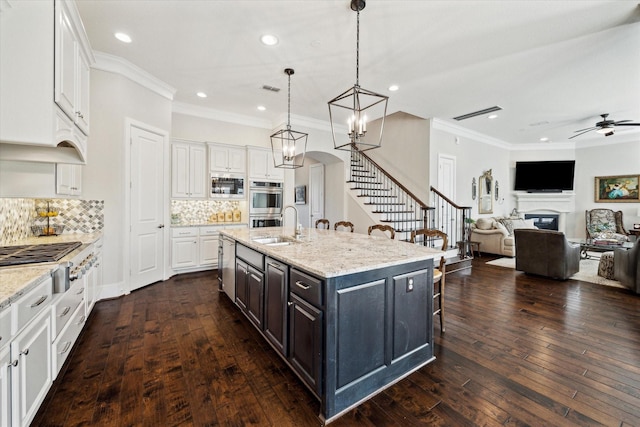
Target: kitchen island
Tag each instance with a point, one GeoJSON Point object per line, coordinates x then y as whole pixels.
{"type": "Point", "coordinates": [351, 314]}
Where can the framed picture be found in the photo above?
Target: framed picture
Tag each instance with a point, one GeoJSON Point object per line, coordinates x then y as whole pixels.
{"type": "Point", "coordinates": [301, 194]}
{"type": "Point", "coordinates": [621, 188]}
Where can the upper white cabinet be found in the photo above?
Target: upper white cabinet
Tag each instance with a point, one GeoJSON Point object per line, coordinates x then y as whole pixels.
{"type": "Point", "coordinates": [188, 170]}
{"type": "Point", "coordinates": [45, 59]}
{"type": "Point", "coordinates": [71, 69]}
{"type": "Point", "coordinates": [261, 166]}
{"type": "Point", "coordinates": [227, 159]}
{"type": "Point", "coordinates": [68, 179]}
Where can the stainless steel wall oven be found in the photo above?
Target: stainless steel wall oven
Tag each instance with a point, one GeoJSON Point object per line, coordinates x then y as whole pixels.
{"type": "Point", "coordinates": [265, 204]}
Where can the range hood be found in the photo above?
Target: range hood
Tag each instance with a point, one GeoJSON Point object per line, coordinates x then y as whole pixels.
{"type": "Point", "coordinates": [64, 152]}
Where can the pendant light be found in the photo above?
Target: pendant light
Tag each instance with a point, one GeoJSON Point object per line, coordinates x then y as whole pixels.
{"type": "Point", "coordinates": [286, 143]}
{"type": "Point", "coordinates": [356, 106]}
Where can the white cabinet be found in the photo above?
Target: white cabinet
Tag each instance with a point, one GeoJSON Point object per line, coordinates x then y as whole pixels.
{"type": "Point", "coordinates": [31, 376]}
{"type": "Point", "coordinates": [68, 179]}
{"type": "Point", "coordinates": [44, 59]}
{"type": "Point", "coordinates": [184, 247]}
{"type": "Point", "coordinates": [208, 247]}
{"type": "Point", "coordinates": [5, 386]}
{"type": "Point", "coordinates": [188, 170]}
{"type": "Point", "coordinates": [227, 159]}
{"type": "Point", "coordinates": [261, 166]}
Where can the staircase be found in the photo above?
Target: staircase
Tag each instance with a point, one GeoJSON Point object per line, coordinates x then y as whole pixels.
{"type": "Point", "coordinates": [391, 203]}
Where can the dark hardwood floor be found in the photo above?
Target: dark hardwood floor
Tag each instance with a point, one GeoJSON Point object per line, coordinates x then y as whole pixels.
{"type": "Point", "coordinates": [518, 350]}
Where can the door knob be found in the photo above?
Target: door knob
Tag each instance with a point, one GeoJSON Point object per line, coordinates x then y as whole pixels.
{"type": "Point", "coordinates": [161, 226]}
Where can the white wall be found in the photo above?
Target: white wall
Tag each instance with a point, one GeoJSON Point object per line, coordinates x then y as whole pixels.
{"type": "Point", "coordinates": [113, 99]}
{"type": "Point", "coordinates": [27, 179]}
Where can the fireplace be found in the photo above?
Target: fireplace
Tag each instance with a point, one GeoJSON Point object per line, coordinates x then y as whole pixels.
{"type": "Point", "coordinates": [544, 221]}
{"type": "Point", "coordinates": [544, 205]}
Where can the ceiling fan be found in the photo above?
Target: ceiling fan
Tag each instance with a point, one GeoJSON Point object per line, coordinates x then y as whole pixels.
{"type": "Point", "coordinates": [605, 126]}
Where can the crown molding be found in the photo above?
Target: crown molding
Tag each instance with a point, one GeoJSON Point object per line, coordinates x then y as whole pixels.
{"type": "Point", "coordinates": [118, 65]}
{"type": "Point", "coordinates": [466, 133]}
{"type": "Point", "coordinates": [223, 116]}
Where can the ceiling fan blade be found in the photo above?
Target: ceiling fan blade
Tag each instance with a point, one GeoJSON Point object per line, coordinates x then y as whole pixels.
{"type": "Point", "coordinates": [584, 131]}
{"type": "Point", "coordinates": [587, 129]}
{"type": "Point", "coordinates": [627, 124]}
{"type": "Point", "coordinates": [621, 121]}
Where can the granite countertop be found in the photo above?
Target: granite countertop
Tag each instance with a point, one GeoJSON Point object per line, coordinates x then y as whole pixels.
{"type": "Point", "coordinates": [328, 253]}
{"type": "Point", "coordinates": [16, 280]}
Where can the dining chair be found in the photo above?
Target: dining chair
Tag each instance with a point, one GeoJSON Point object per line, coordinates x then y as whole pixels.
{"type": "Point", "coordinates": [384, 228]}
{"type": "Point", "coordinates": [345, 224]}
{"type": "Point", "coordinates": [438, 273]}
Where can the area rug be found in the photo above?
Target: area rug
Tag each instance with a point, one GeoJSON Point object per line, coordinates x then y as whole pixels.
{"type": "Point", "coordinates": [588, 271]}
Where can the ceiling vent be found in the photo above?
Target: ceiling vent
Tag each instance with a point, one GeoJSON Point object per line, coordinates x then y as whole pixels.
{"type": "Point", "coordinates": [478, 113]}
{"type": "Point", "coordinates": [271, 88]}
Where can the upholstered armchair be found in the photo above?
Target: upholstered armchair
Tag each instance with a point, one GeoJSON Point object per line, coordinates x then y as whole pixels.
{"type": "Point", "coordinates": [546, 253]}
{"type": "Point", "coordinates": [626, 266]}
{"type": "Point", "coordinates": [605, 223]}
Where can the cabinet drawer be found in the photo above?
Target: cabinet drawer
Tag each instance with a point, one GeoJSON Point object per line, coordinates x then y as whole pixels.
{"type": "Point", "coordinates": [209, 231]}
{"type": "Point", "coordinates": [64, 343]}
{"type": "Point", "coordinates": [5, 326]}
{"type": "Point", "coordinates": [184, 232]}
{"type": "Point", "coordinates": [31, 304]}
{"type": "Point", "coordinates": [65, 306]}
{"type": "Point", "coordinates": [307, 287]}
{"type": "Point", "coordinates": [252, 257]}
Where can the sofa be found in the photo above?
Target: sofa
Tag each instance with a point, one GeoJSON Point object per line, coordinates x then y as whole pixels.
{"type": "Point", "coordinates": [546, 253]}
{"type": "Point", "coordinates": [495, 234]}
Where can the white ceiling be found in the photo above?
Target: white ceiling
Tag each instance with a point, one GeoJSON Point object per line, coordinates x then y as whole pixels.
{"type": "Point", "coordinates": [553, 66]}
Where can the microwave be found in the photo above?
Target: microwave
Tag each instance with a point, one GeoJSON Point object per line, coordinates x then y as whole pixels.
{"type": "Point", "coordinates": [227, 186]}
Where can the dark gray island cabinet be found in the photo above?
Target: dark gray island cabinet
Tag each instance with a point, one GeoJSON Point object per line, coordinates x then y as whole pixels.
{"type": "Point", "coordinates": [349, 321]}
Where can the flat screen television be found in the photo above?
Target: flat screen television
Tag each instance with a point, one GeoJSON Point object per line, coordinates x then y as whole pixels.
{"type": "Point", "coordinates": [545, 176]}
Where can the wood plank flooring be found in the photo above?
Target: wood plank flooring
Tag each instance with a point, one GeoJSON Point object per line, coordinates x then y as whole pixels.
{"type": "Point", "coordinates": [518, 350]}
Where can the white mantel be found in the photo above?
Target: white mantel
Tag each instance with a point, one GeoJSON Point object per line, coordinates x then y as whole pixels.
{"type": "Point", "coordinates": [559, 203]}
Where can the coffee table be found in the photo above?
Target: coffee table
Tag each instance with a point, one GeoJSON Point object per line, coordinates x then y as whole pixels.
{"type": "Point", "coordinates": [589, 245]}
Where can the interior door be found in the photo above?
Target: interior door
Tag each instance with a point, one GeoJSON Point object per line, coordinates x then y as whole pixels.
{"type": "Point", "coordinates": [447, 186]}
{"type": "Point", "coordinates": [147, 207]}
{"type": "Point", "coordinates": [316, 193]}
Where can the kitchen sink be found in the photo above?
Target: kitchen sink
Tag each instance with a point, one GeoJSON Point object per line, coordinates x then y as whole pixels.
{"type": "Point", "coordinates": [274, 240]}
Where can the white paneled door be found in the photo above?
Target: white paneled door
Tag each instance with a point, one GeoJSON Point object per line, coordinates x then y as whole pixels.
{"type": "Point", "coordinates": [316, 193]}
{"type": "Point", "coordinates": [147, 207]}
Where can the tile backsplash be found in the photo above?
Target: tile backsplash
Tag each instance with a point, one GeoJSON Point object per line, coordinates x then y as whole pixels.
{"type": "Point", "coordinates": [77, 216]}
{"type": "Point", "coordinates": [199, 211]}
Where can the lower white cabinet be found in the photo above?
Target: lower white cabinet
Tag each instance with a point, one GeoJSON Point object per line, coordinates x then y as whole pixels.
{"type": "Point", "coordinates": [5, 386]}
{"type": "Point", "coordinates": [195, 248]}
{"type": "Point", "coordinates": [208, 247]}
{"type": "Point", "coordinates": [64, 342]}
{"type": "Point", "coordinates": [31, 369]}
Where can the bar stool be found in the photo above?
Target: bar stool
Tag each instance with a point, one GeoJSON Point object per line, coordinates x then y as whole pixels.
{"type": "Point", "coordinates": [438, 273]}
{"type": "Point", "coordinates": [345, 224]}
{"type": "Point", "coordinates": [323, 221]}
{"type": "Point", "coordinates": [383, 228]}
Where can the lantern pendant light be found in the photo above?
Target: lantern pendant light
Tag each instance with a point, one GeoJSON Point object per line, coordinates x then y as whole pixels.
{"type": "Point", "coordinates": [286, 143]}
{"type": "Point", "coordinates": [356, 106]}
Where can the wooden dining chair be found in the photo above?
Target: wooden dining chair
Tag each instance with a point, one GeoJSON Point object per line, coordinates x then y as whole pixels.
{"type": "Point", "coordinates": [324, 222]}
{"type": "Point", "coordinates": [384, 228]}
{"type": "Point", "coordinates": [438, 273]}
{"type": "Point", "coordinates": [345, 224]}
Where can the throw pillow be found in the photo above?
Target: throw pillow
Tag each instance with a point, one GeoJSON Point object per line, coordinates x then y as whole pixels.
{"type": "Point", "coordinates": [484, 223]}
{"type": "Point", "coordinates": [508, 224]}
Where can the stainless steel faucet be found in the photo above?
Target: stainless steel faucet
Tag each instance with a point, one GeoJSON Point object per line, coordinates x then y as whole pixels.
{"type": "Point", "coordinates": [296, 225]}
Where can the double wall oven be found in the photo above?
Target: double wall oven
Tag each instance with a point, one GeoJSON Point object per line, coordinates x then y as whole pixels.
{"type": "Point", "coordinates": [265, 204]}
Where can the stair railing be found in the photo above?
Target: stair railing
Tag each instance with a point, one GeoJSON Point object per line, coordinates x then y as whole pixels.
{"type": "Point", "coordinates": [387, 195]}
{"type": "Point", "coordinates": [450, 218]}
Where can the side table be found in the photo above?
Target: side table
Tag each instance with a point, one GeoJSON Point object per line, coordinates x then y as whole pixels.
{"type": "Point", "coordinates": [466, 248]}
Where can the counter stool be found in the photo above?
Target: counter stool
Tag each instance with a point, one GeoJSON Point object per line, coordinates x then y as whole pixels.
{"type": "Point", "coordinates": [383, 228]}
{"type": "Point", "coordinates": [345, 224]}
{"type": "Point", "coordinates": [324, 222]}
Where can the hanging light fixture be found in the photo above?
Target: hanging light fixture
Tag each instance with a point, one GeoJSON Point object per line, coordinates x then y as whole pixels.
{"type": "Point", "coordinates": [286, 142]}
{"type": "Point", "coordinates": [356, 106]}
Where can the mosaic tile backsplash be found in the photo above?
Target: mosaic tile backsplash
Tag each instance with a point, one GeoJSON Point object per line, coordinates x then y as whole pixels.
{"type": "Point", "coordinates": [199, 211]}
{"type": "Point", "coordinates": [17, 216]}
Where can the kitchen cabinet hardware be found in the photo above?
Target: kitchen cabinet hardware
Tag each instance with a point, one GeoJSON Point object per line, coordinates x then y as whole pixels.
{"type": "Point", "coordinates": [66, 347]}
{"type": "Point", "coordinates": [302, 285]}
{"type": "Point", "coordinates": [14, 363]}
{"type": "Point", "coordinates": [81, 321]}
{"type": "Point", "coordinates": [24, 352]}
{"type": "Point", "coordinates": [65, 311]}
{"type": "Point", "coordinates": [42, 299]}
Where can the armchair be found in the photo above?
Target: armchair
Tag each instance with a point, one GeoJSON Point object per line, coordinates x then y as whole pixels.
{"type": "Point", "coordinates": [546, 253]}
{"type": "Point", "coordinates": [605, 223]}
{"type": "Point", "coordinates": [626, 267]}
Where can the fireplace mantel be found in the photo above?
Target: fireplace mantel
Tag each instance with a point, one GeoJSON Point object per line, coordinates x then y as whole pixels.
{"type": "Point", "coordinates": [561, 203]}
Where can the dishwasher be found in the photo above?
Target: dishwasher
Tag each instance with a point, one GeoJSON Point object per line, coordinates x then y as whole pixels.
{"type": "Point", "coordinates": [226, 266]}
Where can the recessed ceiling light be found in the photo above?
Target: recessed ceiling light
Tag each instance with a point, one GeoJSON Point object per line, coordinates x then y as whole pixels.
{"type": "Point", "coordinates": [201, 94]}
{"type": "Point", "coordinates": [544, 139]}
{"type": "Point", "coordinates": [123, 37]}
{"type": "Point", "coordinates": [393, 88]}
{"type": "Point", "coordinates": [261, 108]}
{"type": "Point", "coordinates": [269, 39]}
{"type": "Point", "coordinates": [492, 116]}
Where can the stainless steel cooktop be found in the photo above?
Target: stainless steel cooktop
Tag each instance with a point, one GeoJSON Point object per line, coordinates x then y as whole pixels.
{"type": "Point", "coordinates": [32, 254]}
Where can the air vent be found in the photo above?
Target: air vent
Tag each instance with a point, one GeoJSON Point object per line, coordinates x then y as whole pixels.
{"type": "Point", "coordinates": [478, 113]}
{"type": "Point", "coordinates": [271, 88]}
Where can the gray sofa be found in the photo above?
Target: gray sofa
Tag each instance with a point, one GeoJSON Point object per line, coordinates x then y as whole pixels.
{"type": "Point", "coordinates": [546, 253]}
{"type": "Point", "coordinates": [626, 266]}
